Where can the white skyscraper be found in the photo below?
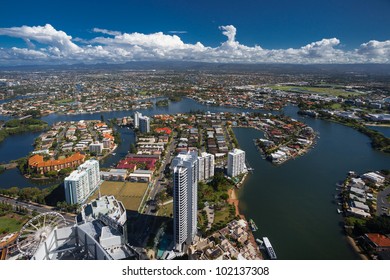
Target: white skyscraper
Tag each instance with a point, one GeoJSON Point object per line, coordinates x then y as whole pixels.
{"type": "Point", "coordinates": [185, 198]}
{"type": "Point", "coordinates": [80, 184]}
{"type": "Point", "coordinates": [137, 115]}
{"type": "Point", "coordinates": [144, 124]}
{"type": "Point", "coordinates": [236, 163]}
{"type": "Point", "coordinates": [205, 166]}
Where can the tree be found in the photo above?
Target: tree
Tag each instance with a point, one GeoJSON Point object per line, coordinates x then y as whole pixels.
{"type": "Point", "coordinates": [218, 181]}
{"type": "Point", "coordinates": [51, 174]}
{"type": "Point", "coordinates": [133, 148]}
{"type": "Point", "coordinates": [224, 196]}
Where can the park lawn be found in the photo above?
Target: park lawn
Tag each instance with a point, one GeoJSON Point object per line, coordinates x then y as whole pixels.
{"type": "Point", "coordinates": [336, 106]}
{"type": "Point", "coordinates": [166, 210]}
{"type": "Point", "coordinates": [129, 193]}
{"type": "Point", "coordinates": [134, 189]}
{"type": "Point", "coordinates": [221, 215]}
{"type": "Point", "coordinates": [131, 203]}
{"type": "Point", "coordinates": [69, 100]}
{"type": "Point", "coordinates": [353, 220]}
{"type": "Point", "coordinates": [11, 223]}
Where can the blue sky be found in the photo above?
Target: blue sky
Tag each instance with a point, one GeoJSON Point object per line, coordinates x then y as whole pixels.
{"type": "Point", "coordinates": [355, 31]}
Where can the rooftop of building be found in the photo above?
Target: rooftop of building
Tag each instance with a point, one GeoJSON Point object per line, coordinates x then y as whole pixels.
{"type": "Point", "coordinates": [105, 205]}
{"type": "Point", "coordinates": [38, 160]}
{"type": "Point", "coordinates": [379, 240]}
{"type": "Point", "coordinates": [236, 151]}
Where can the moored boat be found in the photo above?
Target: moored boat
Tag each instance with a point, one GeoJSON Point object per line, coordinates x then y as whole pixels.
{"type": "Point", "coordinates": [253, 225]}
{"type": "Point", "coordinates": [269, 248]}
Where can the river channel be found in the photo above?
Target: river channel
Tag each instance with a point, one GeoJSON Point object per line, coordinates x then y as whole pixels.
{"type": "Point", "coordinates": [292, 204]}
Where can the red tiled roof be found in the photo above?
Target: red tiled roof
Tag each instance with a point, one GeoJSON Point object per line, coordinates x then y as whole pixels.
{"type": "Point", "coordinates": [37, 160]}
{"type": "Point", "coordinates": [379, 239]}
{"type": "Point", "coordinates": [163, 129]}
{"type": "Point", "coordinates": [108, 136]}
{"type": "Point", "coordinates": [131, 162]}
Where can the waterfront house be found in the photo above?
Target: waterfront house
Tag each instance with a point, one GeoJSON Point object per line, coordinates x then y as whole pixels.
{"type": "Point", "coordinates": [358, 212]}
{"type": "Point", "coordinates": [37, 163]}
{"type": "Point", "coordinates": [374, 178]}
{"type": "Point", "coordinates": [378, 242]}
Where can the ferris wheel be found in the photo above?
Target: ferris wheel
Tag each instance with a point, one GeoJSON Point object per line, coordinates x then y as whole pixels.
{"type": "Point", "coordinates": [36, 230]}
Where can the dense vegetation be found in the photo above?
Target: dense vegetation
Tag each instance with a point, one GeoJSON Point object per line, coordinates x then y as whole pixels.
{"type": "Point", "coordinates": [215, 194]}
{"type": "Point", "coordinates": [162, 103]}
{"type": "Point", "coordinates": [377, 224]}
{"type": "Point", "coordinates": [16, 126]}
{"type": "Point", "coordinates": [29, 194]}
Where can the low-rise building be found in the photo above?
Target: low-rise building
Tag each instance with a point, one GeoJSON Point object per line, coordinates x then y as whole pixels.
{"type": "Point", "coordinates": [37, 163]}
{"type": "Point", "coordinates": [114, 175]}
{"type": "Point", "coordinates": [96, 148]}
{"type": "Point", "coordinates": [378, 242]}
{"type": "Point", "coordinates": [374, 178]}
{"type": "Point", "coordinates": [141, 176]}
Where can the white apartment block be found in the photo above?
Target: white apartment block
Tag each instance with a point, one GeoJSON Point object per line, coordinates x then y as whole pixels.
{"type": "Point", "coordinates": [236, 163]}
{"type": "Point", "coordinates": [81, 183]}
{"type": "Point", "coordinates": [205, 166]}
{"type": "Point", "coordinates": [185, 198]}
{"type": "Point", "coordinates": [96, 148]}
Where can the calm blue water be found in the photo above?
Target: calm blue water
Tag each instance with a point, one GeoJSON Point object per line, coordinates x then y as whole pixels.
{"type": "Point", "coordinates": [293, 204]}
{"type": "Point", "coordinates": [17, 146]}
{"type": "Point", "coordinates": [127, 138]}
{"type": "Point", "coordinates": [382, 129]}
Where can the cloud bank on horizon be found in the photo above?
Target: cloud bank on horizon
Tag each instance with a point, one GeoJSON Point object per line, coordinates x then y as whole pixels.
{"type": "Point", "coordinates": [57, 47]}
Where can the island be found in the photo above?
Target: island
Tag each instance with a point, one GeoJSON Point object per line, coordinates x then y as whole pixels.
{"type": "Point", "coordinates": [285, 138]}
{"type": "Point", "coordinates": [162, 103]}
{"type": "Point", "coordinates": [16, 126]}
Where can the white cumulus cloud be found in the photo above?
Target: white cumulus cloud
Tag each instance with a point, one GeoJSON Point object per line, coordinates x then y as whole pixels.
{"type": "Point", "coordinates": [45, 35]}
{"type": "Point", "coordinates": [117, 47]}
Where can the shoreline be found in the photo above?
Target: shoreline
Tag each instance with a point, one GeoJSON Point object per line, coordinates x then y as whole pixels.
{"type": "Point", "coordinates": [377, 124]}
{"type": "Point", "coordinates": [299, 153]}
{"type": "Point", "coordinates": [233, 200]}
{"type": "Point", "coordinates": [356, 248]}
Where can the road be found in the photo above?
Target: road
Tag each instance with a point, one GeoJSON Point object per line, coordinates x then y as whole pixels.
{"type": "Point", "coordinates": [146, 225]}
{"type": "Point", "coordinates": [157, 184]}
{"type": "Point", "coordinates": [40, 208]}
{"type": "Point", "coordinates": [382, 202]}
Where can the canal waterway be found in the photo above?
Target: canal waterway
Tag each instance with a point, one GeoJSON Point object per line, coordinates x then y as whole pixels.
{"type": "Point", "coordinates": [293, 204]}
{"type": "Point", "coordinates": [385, 130]}
{"type": "Point", "coordinates": [17, 146]}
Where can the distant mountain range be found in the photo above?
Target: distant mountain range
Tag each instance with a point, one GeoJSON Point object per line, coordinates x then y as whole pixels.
{"type": "Point", "coordinates": [329, 69]}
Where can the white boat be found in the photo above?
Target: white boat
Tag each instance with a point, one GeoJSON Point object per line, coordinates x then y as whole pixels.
{"type": "Point", "coordinates": [269, 248]}
{"type": "Point", "coordinates": [339, 211]}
